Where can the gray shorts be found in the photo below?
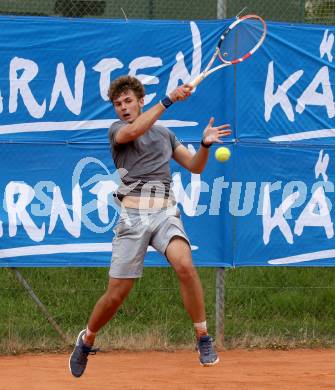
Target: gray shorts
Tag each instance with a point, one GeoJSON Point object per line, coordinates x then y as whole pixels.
{"type": "Point", "coordinates": [135, 231]}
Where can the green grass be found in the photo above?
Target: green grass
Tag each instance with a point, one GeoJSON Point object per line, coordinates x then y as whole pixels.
{"type": "Point", "coordinates": [264, 307]}
{"type": "Point", "coordinates": [280, 307]}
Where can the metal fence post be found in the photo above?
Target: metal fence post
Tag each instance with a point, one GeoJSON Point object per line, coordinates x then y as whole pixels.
{"type": "Point", "coordinates": [220, 306]}
{"type": "Point", "coordinates": [40, 305]}
{"type": "Point", "coordinates": [221, 10]}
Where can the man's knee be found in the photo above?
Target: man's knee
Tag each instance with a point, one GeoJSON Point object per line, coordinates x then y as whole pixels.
{"type": "Point", "coordinates": [185, 270]}
{"type": "Point", "coordinates": [117, 291]}
{"type": "Point", "coordinates": [113, 299]}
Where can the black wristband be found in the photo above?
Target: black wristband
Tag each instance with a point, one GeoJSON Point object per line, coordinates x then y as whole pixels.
{"type": "Point", "coordinates": [166, 102]}
{"type": "Point", "coordinates": [205, 145]}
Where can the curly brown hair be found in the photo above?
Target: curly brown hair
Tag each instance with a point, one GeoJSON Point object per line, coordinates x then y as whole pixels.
{"type": "Point", "coordinates": [124, 84]}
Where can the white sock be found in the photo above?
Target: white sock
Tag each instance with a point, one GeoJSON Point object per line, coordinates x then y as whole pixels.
{"type": "Point", "coordinates": [89, 333]}
{"type": "Point", "coordinates": [200, 327]}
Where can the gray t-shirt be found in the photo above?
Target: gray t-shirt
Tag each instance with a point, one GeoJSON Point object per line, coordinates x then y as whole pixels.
{"type": "Point", "coordinates": [145, 161]}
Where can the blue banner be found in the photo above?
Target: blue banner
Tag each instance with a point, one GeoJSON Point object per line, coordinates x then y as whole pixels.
{"type": "Point", "coordinates": [270, 204]}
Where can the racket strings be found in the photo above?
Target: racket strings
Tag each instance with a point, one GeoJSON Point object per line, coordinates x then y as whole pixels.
{"type": "Point", "coordinates": [241, 39]}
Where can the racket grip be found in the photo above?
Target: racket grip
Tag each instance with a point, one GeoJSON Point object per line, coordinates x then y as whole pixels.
{"type": "Point", "coordinates": [197, 80]}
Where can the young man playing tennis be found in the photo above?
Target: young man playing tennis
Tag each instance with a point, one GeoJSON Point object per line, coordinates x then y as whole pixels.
{"type": "Point", "coordinates": [149, 215]}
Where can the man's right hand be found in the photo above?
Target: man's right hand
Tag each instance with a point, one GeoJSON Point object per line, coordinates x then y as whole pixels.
{"type": "Point", "coordinates": [180, 93]}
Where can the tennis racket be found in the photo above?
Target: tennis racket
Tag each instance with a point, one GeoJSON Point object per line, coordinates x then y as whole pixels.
{"type": "Point", "coordinates": [238, 42]}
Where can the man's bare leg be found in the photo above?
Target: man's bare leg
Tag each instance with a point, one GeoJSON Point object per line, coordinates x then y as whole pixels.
{"type": "Point", "coordinates": [104, 310]}
{"type": "Point", "coordinates": [179, 255]}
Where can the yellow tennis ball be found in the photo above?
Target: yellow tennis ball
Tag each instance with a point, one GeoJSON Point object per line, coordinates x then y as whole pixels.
{"type": "Point", "coordinates": [222, 154]}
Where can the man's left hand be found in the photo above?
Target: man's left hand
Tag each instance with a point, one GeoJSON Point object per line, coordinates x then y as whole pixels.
{"type": "Point", "coordinates": [214, 134]}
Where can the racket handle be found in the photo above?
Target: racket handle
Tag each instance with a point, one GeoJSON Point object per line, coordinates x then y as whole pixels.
{"type": "Point", "coordinates": [197, 80]}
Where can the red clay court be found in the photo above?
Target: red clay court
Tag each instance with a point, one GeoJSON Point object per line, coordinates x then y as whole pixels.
{"type": "Point", "coordinates": [238, 370]}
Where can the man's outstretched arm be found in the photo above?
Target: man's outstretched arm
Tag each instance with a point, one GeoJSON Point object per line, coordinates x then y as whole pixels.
{"type": "Point", "coordinates": [196, 163]}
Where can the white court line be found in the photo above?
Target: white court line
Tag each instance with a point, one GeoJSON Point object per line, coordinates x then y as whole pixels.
{"type": "Point", "coordinates": [304, 135]}
{"type": "Point", "coordinates": [327, 254]}
{"type": "Point", "coordinates": [65, 248]}
{"type": "Point", "coordinates": [34, 127]}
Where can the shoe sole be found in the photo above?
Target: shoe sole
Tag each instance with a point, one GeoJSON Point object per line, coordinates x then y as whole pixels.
{"type": "Point", "coordinates": [77, 341]}
{"type": "Point", "coordinates": [210, 364]}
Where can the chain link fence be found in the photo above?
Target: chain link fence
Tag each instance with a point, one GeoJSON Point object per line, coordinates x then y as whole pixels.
{"type": "Point", "coordinates": [308, 11]}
